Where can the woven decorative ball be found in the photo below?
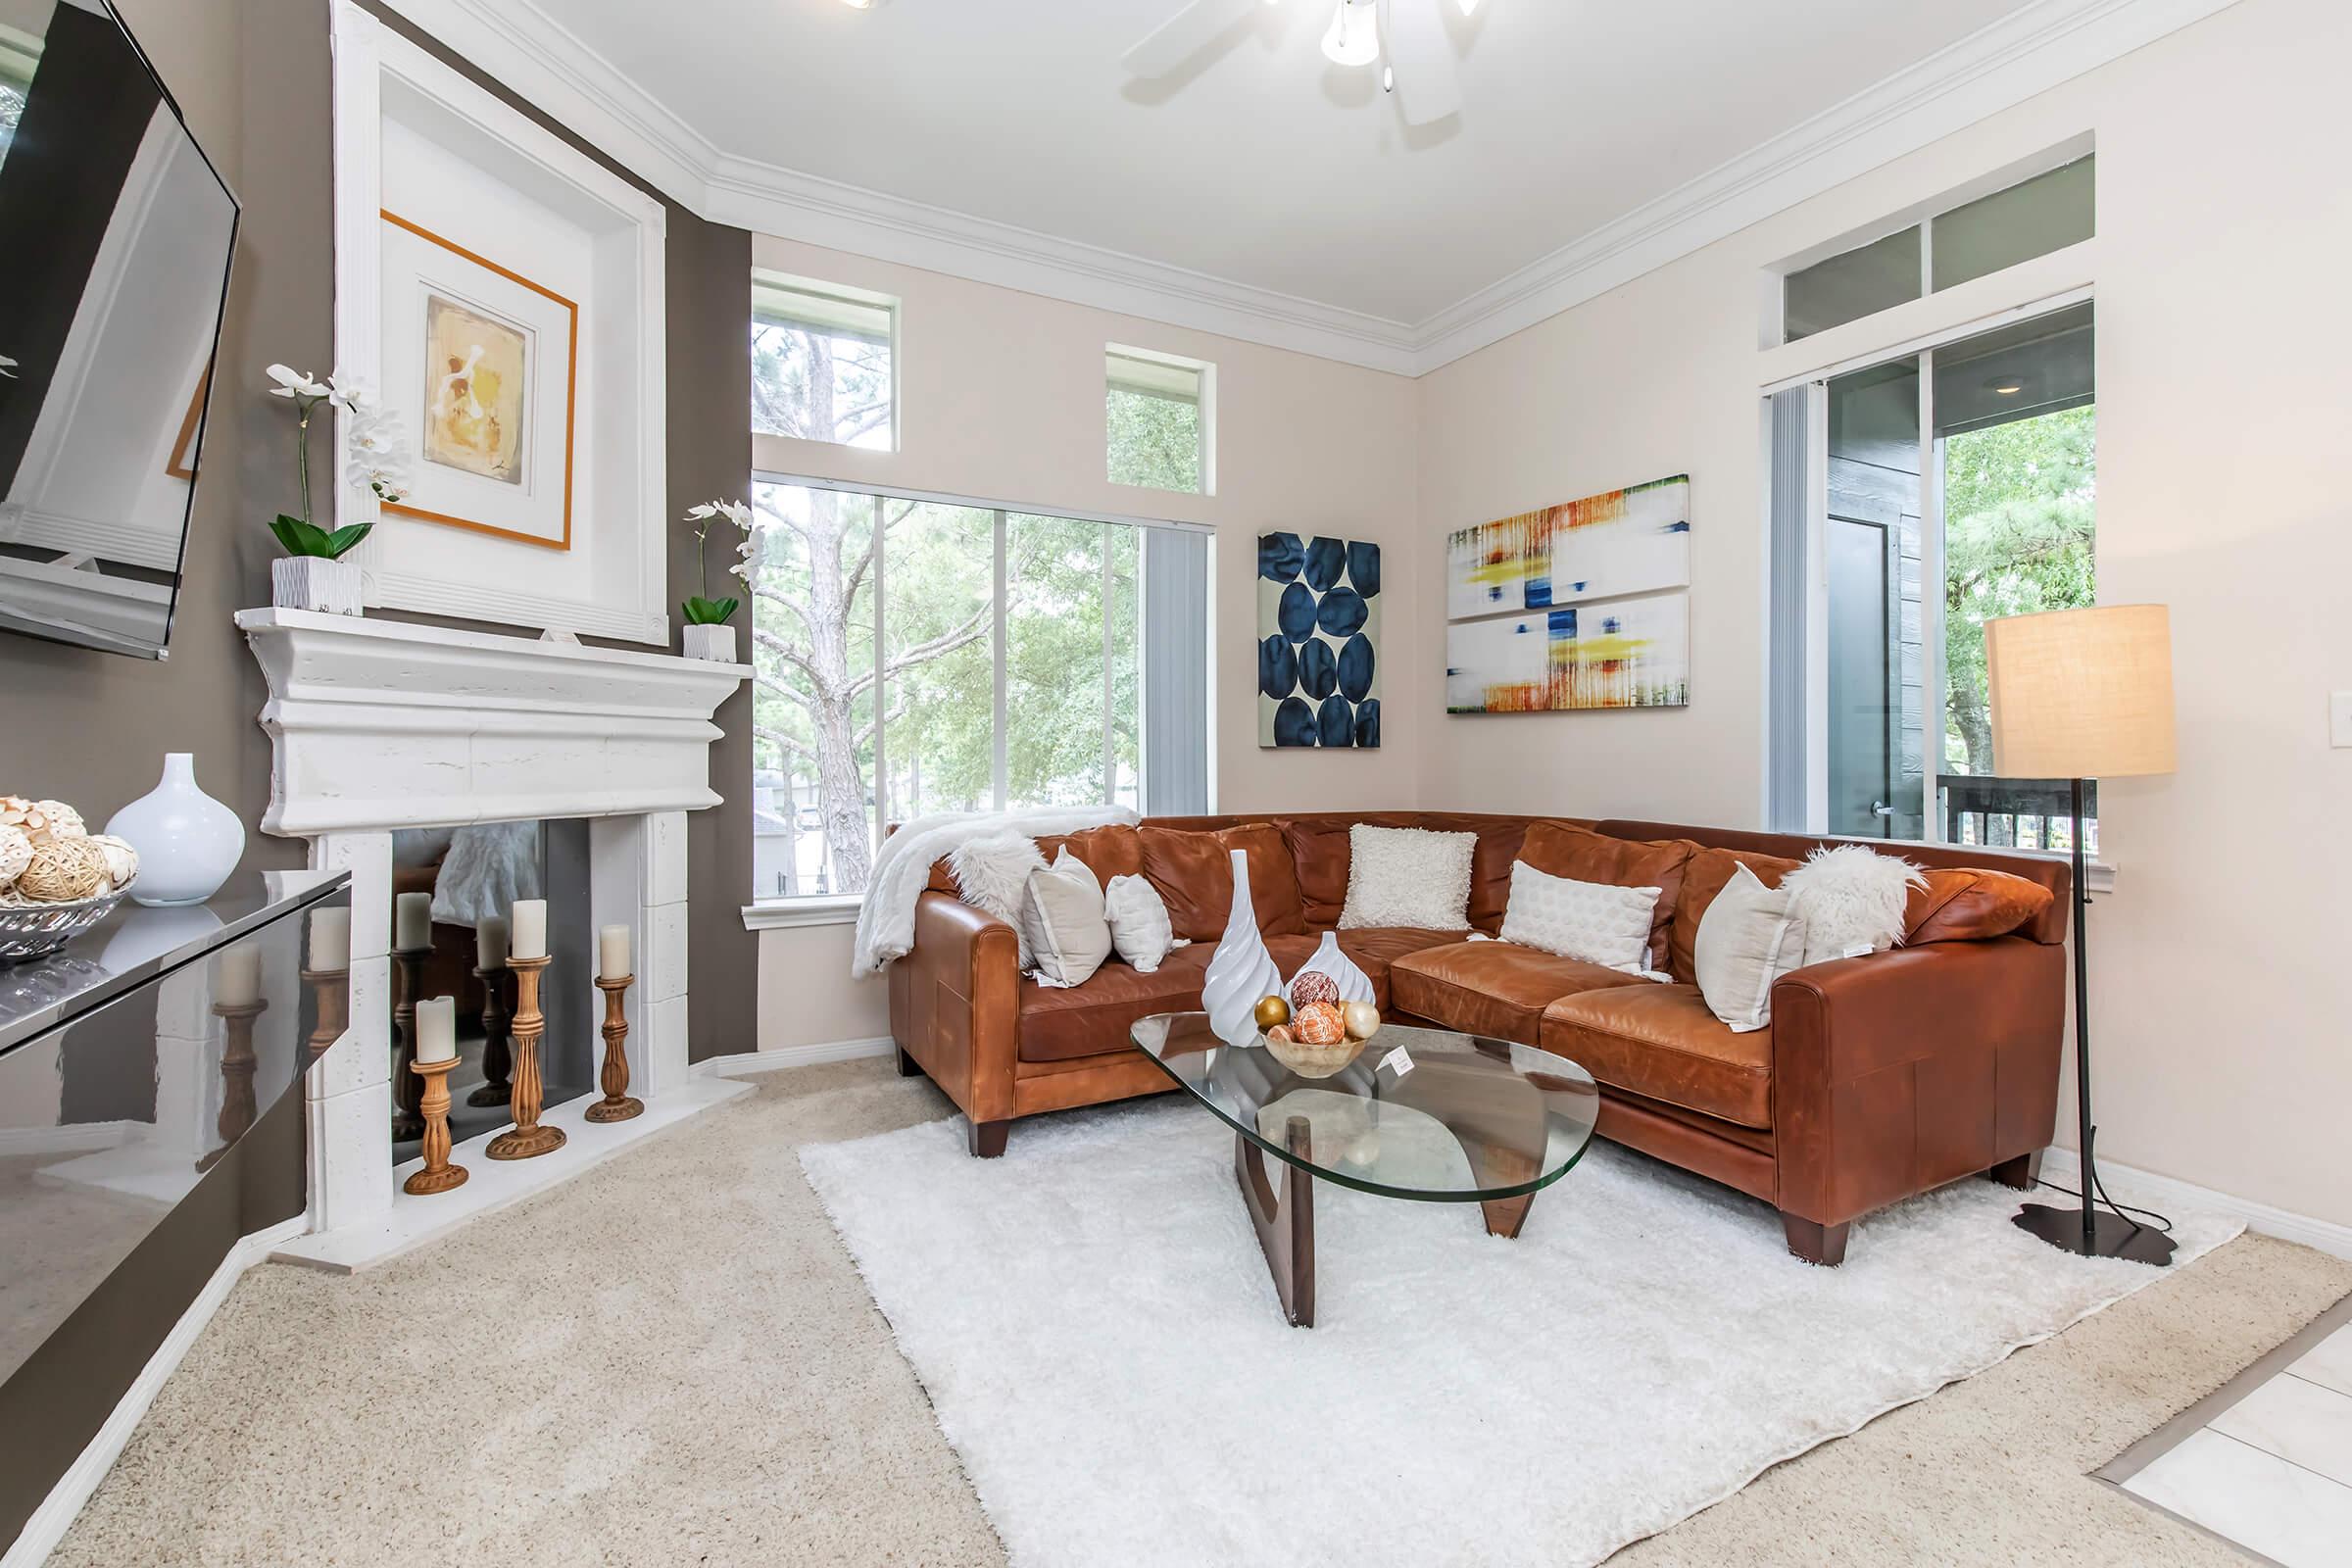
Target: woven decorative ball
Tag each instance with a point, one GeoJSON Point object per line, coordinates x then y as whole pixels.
{"type": "Point", "coordinates": [122, 861]}
{"type": "Point", "coordinates": [1312, 986]}
{"type": "Point", "coordinates": [16, 853]}
{"type": "Point", "coordinates": [65, 822]}
{"type": "Point", "coordinates": [64, 869]}
{"type": "Point", "coordinates": [1318, 1023]}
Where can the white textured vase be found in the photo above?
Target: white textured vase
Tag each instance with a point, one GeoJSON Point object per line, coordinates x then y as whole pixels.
{"type": "Point", "coordinates": [1354, 985]}
{"type": "Point", "coordinates": [188, 841]}
{"type": "Point", "coordinates": [314, 582]}
{"type": "Point", "coordinates": [714, 643]}
{"type": "Point", "coordinates": [1241, 971]}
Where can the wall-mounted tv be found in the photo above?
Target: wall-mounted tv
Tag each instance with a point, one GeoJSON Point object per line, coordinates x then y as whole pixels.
{"type": "Point", "coordinates": [115, 241]}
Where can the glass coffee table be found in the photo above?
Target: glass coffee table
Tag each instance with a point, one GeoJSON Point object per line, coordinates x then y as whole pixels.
{"type": "Point", "coordinates": [1425, 1114]}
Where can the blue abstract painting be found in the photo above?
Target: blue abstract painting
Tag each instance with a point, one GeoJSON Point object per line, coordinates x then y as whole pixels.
{"type": "Point", "coordinates": [1318, 648]}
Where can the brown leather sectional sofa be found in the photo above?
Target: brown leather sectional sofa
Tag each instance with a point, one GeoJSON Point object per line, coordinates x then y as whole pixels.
{"type": "Point", "coordinates": [1880, 1077]}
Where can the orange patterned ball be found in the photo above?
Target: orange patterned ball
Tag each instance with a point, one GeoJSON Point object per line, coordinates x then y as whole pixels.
{"type": "Point", "coordinates": [1313, 985]}
{"type": "Point", "coordinates": [1319, 1023]}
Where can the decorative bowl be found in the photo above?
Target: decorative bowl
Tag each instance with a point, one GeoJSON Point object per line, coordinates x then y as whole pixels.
{"type": "Point", "coordinates": [1313, 1061]}
{"type": "Point", "coordinates": [30, 930]}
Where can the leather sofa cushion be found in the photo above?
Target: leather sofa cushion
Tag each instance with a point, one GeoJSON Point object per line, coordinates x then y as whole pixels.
{"type": "Point", "coordinates": [1562, 849]}
{"type": "Point", "coordinates": [1660, 1042]}
{"type": "Point", "coordinates": [1491, 988]}
{"type": "Point", "coordinates": [1194, 879]}
{"type": "Point", "coordinates": [1374, 948]}
{"type": "Point", "coordinates": [1113, 849]}
{"type": "Point", "coordinates": [1085, 1021]}
{"type": "Point", "coordinates": [1319, 853]}
{"type": "Point", "coordinates": [1965, 905]}
{"type": "Point", "coordinates": [1319, 847]}
{"type": "Point", "coordinates": [1703, 878]}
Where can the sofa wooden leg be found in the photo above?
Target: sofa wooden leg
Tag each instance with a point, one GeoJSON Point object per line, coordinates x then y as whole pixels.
{"type": "Point", "coordinates": [907, 1066]}
{"type": "Point", "coordinates": [987, 1137]}
{"type": "Point", "coordinates": [2021, 1173]}
{"type": "Point", "coordinates": [1814, 1242]}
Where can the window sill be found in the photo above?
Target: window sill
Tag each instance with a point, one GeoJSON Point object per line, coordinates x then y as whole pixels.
{"type": "Point", "coordinates": [787, 914]}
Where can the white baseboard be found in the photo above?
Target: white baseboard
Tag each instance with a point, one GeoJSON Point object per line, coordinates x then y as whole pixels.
{"type": "Point", "coordinates": [743, 1062]}
{"type": "Point", "coordinates": [50, 1521]}
{"type": "Point", "coordinates": [2141, 1186]}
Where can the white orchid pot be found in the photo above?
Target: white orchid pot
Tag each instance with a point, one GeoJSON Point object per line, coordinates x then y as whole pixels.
{"type": "Point", "coordinates": [316, 583]}
{"type": "Point", "coordinates": [1241, 970]}
{"type": "Point", "coordinates": [714, 643]}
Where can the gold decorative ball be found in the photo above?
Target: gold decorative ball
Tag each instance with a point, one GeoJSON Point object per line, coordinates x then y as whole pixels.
{"type": "Point", "coordinates": [64, 869]}
{"type": "Point", "coordinates": [1361, 1018]}
{"type": "Point", "coordinates": [16, 853]}
{"type": "Point", "coordinates": [1272, 1012]}
{"type": "Point", "coordinates": [122, 861]}
{"type": "Point", "coordinates": [63, 822]}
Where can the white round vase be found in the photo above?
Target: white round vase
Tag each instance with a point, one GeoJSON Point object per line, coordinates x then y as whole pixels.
{"type": "Point", "coordinates": [1353, 983]}
{"type": "Point", "coordinates": [188, 842]}
{"type": "Point", "coordinates": [1241, 971]}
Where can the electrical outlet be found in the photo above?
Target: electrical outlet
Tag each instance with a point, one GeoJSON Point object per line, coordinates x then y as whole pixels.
{"type": "Point", "coordinates": [2339, 718]}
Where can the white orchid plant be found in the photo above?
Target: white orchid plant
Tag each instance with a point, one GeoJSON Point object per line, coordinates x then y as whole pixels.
{"type": "Point", "coordinates": [702, 610]}
{"type": "Point", "coordinates": [377, 459]}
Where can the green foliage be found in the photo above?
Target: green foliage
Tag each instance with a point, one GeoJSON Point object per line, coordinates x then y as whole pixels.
{"type": "Point", "coordinates": [309, 539]}
{"type": "Point", "coordinates": [2020, 509]}
{"type": "Point", "coordinates": [1153, 442]}
{"type": "Point", "coordinates": [702, 611]}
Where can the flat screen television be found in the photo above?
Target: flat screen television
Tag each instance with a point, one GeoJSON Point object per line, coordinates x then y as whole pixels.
{"type": "Point", "coordinates": [116, 233]}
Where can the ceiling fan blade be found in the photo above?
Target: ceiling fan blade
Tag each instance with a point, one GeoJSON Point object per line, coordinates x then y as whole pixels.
{"type": "Point", "coordinates": [1184, 35]}
{"type": "Point", "coordinates": [1422, 56]}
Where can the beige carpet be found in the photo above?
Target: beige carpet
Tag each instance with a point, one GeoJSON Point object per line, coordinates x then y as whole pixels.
{"type": "Point", "coordinates": [672, 1360]}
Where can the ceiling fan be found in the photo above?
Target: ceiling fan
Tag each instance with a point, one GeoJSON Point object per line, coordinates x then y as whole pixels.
{"type": "Point", "coordinates": [1406, 38]}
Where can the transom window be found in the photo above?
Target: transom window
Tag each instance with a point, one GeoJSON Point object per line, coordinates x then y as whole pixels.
{"type": "Point", "coordinates": [823, 362]}
{"type": "Point", "coordinates": [1156, 427]}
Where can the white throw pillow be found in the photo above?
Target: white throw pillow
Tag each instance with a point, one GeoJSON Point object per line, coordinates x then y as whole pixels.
{"type": "Point", "coordinates": [1595, 922]}
{"type": "Point", "coordinates": [991, 874]}
{"type": "Point", "coordinates": [1852, 898]}
{"type": "Point", "coordinates": [1407, 876]}
{"type": "Point", "coordinates": [1139, 922]}
{"type": "Point", "coordinates": [1750, 936]}
{"type": "Point", "coordinates": [1062, 918]}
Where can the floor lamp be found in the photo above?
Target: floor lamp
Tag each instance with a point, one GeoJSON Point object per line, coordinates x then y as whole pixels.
{"type": "Point", "coordinates": [2084, 694]}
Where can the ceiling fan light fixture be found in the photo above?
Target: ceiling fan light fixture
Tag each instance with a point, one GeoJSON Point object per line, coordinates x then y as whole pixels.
{"type": "Point", "coordinates": [1354, 35]}
{"type": "Point", "coordinates": [1468, 5]}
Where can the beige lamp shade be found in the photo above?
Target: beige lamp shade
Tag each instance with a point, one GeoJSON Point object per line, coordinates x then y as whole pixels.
{"type": "Point", "coordinates": [2082, 692]}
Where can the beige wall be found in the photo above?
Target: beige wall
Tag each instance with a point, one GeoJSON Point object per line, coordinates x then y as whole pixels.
{"type": "Point", "coordinates": [2219, 992]}
{"type": "Point", "coordinates": [1001, 399]}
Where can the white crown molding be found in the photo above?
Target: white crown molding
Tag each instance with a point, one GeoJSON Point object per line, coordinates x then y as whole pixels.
{"type": "Point", "coordinates": [2032, 49]}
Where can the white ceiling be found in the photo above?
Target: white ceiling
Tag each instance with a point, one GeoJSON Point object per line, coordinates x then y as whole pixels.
{"type": "Point", "coordinates": [1262, 163]}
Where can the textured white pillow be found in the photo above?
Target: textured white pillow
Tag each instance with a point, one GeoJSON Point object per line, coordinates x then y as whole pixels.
{"type": "Point", "coordinates": [1062, 918]}
{"type": "Point", "coordinates": [991, 874]}
{"type": "Point", "coordinates": [1750, 936]}
{"type": "Point", "coordinates": [1852, 900]}
{"type": "Point", "coordinates": [1139, 922]}
{"type": "Point", "coordinates": [1595, 922]}
{"type": "Point", "coordinates": [1407, 876]}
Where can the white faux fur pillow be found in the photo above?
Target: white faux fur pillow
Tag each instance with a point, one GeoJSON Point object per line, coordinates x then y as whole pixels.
{"type": "Point", "coordinates": [1407, 876]}
{"type": "Point", "coordinates": [1139, 922]}
{"type": "Point", "coordinates": [1852, 900]}
{"type": "Point", "coordinates": [991, 874]}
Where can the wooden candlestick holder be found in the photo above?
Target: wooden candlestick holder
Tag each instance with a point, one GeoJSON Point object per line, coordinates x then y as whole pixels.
{"type": "Point", "coordinates": [498, 1062]}
{"type": "Point", "coordinates": [408, 1090]}
{"type": "Point", "coordinates": [526, 1137]}
{"type": "Point", "coordinates": [331, 987]}
{"type": "Point", "coordinates": [438, 1175]}
{"type": "Point", "coordinates": [617, 1105]}
{"type": "Point", "coordinates": [237, 1063]}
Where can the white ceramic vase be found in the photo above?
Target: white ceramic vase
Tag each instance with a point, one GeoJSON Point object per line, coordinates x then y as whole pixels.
{"type": "Point", "coordinates": [188, 842]}
{"type": "Point", "coordinates": [1241, 971]}
{"type": "Point", "coordinates": [314, 582]}
{"type": "Point", "coordinates": [714, 643]}
{"type": "Point", "coordinates": [1354, 985]}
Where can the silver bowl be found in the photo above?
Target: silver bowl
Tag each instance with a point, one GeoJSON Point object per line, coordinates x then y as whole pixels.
{"type": "Point", "coordinates": [30, 930]}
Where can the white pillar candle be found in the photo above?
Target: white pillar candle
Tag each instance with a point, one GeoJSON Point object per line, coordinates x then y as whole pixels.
{"type": "Point", "coordinates": [530, 928]}
{"type": "Point", "coordinates": [613, 953]}
{"type": "Point", "coordinates": [330, 938]}
{"type": "Point", "coordinates": [412, 921]}
{"type": "Point", "coordinates": [237, 977]}
{"type": "Point", "coordinates": [490, 943]}
{"type": "Point", "coordinates": [437, 1029]}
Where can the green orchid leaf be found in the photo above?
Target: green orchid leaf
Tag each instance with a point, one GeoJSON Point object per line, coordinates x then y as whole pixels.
{"type": "Point", "coordinates": [701, 611]}
{"type": "Point", "coordinates": [301, 538]}
{"type": "Point", "coordinates": [340, 542]}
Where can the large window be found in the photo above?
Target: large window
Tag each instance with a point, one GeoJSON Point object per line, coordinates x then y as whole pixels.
{"type": "Point", "coordinates": [916, 655]}
{"type": "Point", "coordinates": [1156, 426]}
{"type": "Point", "coordinates": [822, 361]}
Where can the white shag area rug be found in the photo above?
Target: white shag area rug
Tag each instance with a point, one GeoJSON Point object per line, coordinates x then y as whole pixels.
{"type": "Point", "coordinates": [1099, 1338]}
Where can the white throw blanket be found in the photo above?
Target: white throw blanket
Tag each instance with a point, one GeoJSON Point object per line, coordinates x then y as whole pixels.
{"type": "Point", "coordinates": [886, 919]}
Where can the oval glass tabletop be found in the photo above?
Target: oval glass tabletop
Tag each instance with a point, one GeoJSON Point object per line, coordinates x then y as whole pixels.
{"type": "Point", "coordinates": [1420, 1113]}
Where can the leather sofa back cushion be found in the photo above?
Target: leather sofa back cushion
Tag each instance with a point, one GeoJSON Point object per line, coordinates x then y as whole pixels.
{"type": "Point", "coordinates": [1562, 849]}
{"type": "Point", "coordinates": [1194, 879]}
{"type": "Point", "coordinates": [1704, 876]}
{"type": "Point", "coordinates": [1965, 905]}
{"type": "Point", "coordinates": [1111, 850]}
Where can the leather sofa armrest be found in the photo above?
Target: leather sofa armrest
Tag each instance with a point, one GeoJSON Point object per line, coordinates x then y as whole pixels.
{"type": "Point", "coordinates": [955, 1009]}
{"type": "Point", "coordinates": [1907, 1069]}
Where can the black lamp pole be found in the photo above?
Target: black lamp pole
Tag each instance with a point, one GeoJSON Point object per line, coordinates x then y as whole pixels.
{"type": "Point", "coordinates": [2091, 1233]}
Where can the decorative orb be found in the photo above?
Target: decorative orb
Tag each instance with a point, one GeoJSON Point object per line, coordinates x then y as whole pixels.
{"type": "Point", "coordinates": [1361, 1018]}
{"type": "Point", "coordinates": [16, 853]}
{"type": "Point", "coordinates": [1318, 1023]}
{"type": "Point", "coordinates": [65, 822]}
{"type": "Point", "coordinates": [122, 861]}
{"type": "Point", "coordinates": [24, 816]}
{"type": "Point", "coordinates": [1272, 1012]}
{"type": "Point", "coordinates": [1312, 986]}
{"type": "Point", "coordinates": [63, 869]}
{"type": "Point", "coordinates": [1279, 1035]}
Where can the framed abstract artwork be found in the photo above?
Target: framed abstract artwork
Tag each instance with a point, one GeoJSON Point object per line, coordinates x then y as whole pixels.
{"type": "Point", "coordinates": [1580, 606]}
{"type": "Point", "coordinates": [482, 365]}
{"type": "Point", "coordinates": [1319, 642]}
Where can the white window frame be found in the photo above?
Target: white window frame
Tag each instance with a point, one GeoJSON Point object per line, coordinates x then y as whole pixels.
{"type": "Point", "coordinates": [1203, 375]}
{"type": "Point", "coordinates": [848, 295]}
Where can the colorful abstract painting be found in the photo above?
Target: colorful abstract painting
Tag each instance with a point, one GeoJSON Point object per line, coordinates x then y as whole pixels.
{"type": "Point", "coordinates": [1318, 648]}
{"type": "Point", "coordinates": [1578, 606]}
